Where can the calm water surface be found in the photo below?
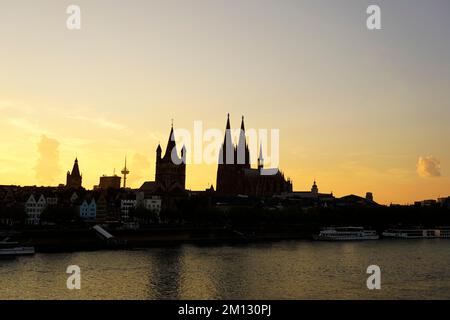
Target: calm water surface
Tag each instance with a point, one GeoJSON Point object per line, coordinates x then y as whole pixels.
{"type": "Point", "coordinates": [411, 269]}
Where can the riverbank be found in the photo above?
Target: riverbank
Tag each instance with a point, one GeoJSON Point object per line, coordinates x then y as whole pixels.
{"type": "Point", "coordinates": [86, 239]}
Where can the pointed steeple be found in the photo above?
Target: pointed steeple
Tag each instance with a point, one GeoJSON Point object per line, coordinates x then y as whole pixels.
{"type": "Point", "coordinates": [243, 154]}
{"type": "Point", "coordinates": [242, 134]}
{"type": "Point", "coordinates": [227, 136]}
{"type": "Point", "coordinates": [75, 169]}
{"type": "Point", "coordinates": [226, 155]}
{"type": "Point", "coordinates": [171, 145]}
{"type": "Point", "coordinates": [73, 179]}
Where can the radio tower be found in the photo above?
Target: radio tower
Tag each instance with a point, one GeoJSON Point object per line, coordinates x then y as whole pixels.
{"type": "Point", "coordinates": [125, 171]}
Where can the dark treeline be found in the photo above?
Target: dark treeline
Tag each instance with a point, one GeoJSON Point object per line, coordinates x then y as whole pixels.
{"type": "Point", "coordinates": [199, 212]}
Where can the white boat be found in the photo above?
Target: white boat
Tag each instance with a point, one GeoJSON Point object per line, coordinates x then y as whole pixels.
{"type": "Point", "coordinates": [346, 234]}
{"type": "Point", "coordinates": [442, 233]}
{"type": "Point", "coordinates": [14, 249]}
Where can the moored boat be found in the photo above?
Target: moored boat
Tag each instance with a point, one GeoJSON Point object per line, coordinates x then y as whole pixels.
{"type": "Point", "coordinates": [346, 234]}
{"type": "Point", "coordinates": [418, 233]}
{"type": "Point", "coordinates": [14, 249]}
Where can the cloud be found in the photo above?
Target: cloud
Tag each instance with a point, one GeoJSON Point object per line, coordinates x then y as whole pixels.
{"type": "Point", "coordinates": [110, 124]}
{"type": "Point", "coordinates": [47, 168]}
{"type": "Point", "coordinates": [428, 167]}
{"type": "Point", "coordinates": [101, 122]}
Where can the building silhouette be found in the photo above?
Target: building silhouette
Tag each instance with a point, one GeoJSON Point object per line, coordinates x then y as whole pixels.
{"type": "Point", "coordinates": [109, 182]}
{"type": "Point", "coordinates": [235, 175]}
{"type": "Point", "coordinates": [170, 168]}
{"type": "Point", "coordinates": [311, 197]}
{"type": "Point", "coordinates": [74, 178]}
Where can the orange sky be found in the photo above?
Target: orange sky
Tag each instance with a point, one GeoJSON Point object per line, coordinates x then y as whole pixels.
{"type": "Point", "coordinates": [357, 110]}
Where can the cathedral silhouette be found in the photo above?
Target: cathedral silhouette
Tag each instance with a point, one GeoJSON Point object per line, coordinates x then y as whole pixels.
{"type": "Point", "coordinates": [235, 175]}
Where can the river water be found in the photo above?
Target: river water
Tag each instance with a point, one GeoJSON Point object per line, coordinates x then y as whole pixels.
{"type": "Point", "coordinates": [410, 269]}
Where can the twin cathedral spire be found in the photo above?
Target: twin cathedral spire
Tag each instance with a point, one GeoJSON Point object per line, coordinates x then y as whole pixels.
{"type": "Point", "coordinates": [239, 154]}
{"type": "Point", "coordinates": [235, 175]}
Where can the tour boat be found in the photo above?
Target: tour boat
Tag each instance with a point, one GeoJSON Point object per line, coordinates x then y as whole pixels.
{"type": "Point", "coordinates": [346, 234]}
{"type": "Point", "coordinates": [443, 233]}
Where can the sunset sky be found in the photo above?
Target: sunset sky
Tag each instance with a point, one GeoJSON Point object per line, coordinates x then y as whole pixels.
{"type": "Point", "coordinates": [357, 110]}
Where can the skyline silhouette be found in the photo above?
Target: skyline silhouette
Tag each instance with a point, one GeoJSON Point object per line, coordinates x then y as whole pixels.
{"type": "Point", "coordinates": [230, 176]}
{"type": "Point", "coordinates": [357, 110]}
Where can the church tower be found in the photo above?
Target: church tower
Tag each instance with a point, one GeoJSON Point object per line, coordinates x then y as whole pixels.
{"type": "Point", "coordinates": [235, 175]}
{"type": "Point", "coordinates": [315, 189]}
{"type": "Point", "coordinates": [227, 151]}
{"type": "Point", "coordinates": [242, 152]}
{"type": "Point", "coordinates": [170, 169]}
{"type": "Point", "coordinates": [226, 169]}
{"type": "Point", "coordinates": [73, 179]}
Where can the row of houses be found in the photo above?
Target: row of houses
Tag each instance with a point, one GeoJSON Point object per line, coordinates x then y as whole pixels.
{"type": "Point", "coordinates": [29, 203]}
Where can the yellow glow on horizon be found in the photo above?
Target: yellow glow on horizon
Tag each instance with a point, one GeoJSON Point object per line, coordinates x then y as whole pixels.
{"type": "Point", "coordinates": [103, 144]}
{"type": "Point", "coordinates": [355, 110]}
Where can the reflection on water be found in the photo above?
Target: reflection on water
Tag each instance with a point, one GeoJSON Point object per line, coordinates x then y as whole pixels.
{"type": "Point", "coordinates": [164, 278]}
{"type": "Point", "coordinates": [284, 270]}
